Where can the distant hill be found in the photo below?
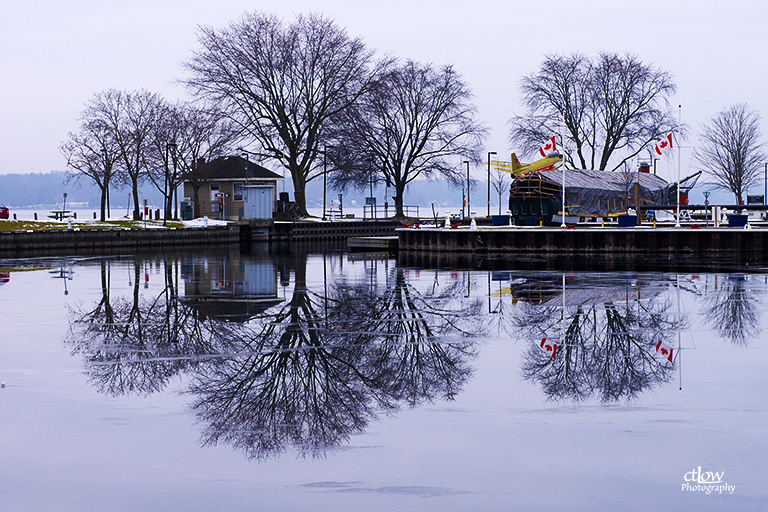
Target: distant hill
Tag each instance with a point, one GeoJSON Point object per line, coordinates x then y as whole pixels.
{"type": "Point", "coordinates": [47, 190]}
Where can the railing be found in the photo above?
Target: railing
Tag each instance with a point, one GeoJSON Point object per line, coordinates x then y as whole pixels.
{"type": "Point", "coordinates": [380, 212]}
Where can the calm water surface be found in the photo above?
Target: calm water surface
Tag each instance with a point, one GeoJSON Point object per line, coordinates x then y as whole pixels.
{"type": "Point", "coordinates": [228, 381]}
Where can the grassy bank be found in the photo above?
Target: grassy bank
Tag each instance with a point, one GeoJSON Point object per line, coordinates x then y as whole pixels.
{"type": "Point", "coordinates": [33, 225]}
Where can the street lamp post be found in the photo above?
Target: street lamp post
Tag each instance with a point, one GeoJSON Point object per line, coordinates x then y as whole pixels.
{"type": "Point", "coordinates": [247, 164]}
{"type": "Point", "coordinates": [325, 170]}
{"type": "Point", "coordinates": [489, 181]}
{"type": "Point", "coordinates": [468, 201]}
{"type": "Point", "coordinates": [106, 181]}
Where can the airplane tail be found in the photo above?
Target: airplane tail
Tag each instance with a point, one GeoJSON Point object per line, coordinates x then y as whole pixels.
{"type": "Point", "coordinates": [515, 163]}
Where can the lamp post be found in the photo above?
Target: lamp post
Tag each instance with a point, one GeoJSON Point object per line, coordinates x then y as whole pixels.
{"type": "Point", "coordinates": [679, 150]}
{"type": "Point", "coordinates": [247, 164]}
{"type": "Point", "coordinates": [325, 151]}
{"type": "Point", "coordinates": [468, 202]}
{"type": "Point", "coordinates": [106, 177]}
{"type": "Point", "coordinates": [489, 181]}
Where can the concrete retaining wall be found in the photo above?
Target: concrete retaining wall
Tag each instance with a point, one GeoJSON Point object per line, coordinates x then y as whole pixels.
{"type": "Point", "coordinates": [656, 241]}
{"type": "Point", "coordinates": [22, 241]}
{"type": "Point", "coordinates": [315, 231]}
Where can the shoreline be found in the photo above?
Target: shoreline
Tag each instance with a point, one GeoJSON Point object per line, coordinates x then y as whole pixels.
{"type": "Point", "coordinates": [118, 238]}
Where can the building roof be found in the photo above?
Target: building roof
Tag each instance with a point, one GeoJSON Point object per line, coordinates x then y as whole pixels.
{"type": "Point", "coordinates": [606, 180]}
{"type": "Point", "coordinates": [591, 192]}
{"type": "Point", "coordinates": [236, 168]}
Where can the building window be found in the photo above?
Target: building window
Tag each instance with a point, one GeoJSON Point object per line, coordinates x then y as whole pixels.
{"type": "Point", "coordinates": [238, 191]}
{"type": "Point", "coordinates": [214, 191]}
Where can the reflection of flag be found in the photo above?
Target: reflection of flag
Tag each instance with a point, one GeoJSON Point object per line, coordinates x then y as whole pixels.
{"type": "Point", "coordinates": [548, 346]}
{"type": "Point", "coordinates": [664, 350]}
{"type": "Point", "coordinates": [549, 147]}
{"type": "Point", "coordinates": [663, 145]}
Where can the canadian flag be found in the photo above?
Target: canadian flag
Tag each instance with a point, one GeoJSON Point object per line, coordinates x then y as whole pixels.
{"type": "Point", "coordinates": [663, 145]}
{"type": "Point", "coordinates": [549, 147]}
{"type": "Point", "coordinates": [548, 347]}
{"type": "Point", "coordinates": [665, 351]}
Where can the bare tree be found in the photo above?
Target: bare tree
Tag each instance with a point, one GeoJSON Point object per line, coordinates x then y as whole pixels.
{"type": "Point", "coordinates": [609, 109]}
{"type": "Point", "coordinates": [161, 152]}
{"type": "Point", "coordinates": [184, 134]}
{"type": "Point", "coordinates": [500, 181]}
{"type": "Point", "coordinates": [281, 83]}
{"type": "Point", "coordinates": [91, 153]}
{"type": "Point", "coordinates": [413, 124]}
{"type": "Point", "coordinates": [204, 135]}
{"type": "Point", "coordinates": [129, 118]}
{"type": "Point", "coordinates": [731, 151]}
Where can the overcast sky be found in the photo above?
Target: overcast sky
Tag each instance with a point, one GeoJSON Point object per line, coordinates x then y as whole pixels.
{"type": "Point", "coordinates": [56, 55]}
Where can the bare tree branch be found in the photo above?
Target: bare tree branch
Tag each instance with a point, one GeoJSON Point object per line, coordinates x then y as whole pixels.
{"type": "Point", "coordinates": [281, 83]}
{"type": "Point", "coordinates": [609, 109]}
{"type": "Point", "coordinates": [413, 124]}
{"type": "Point", "coordinates": [731, 151]}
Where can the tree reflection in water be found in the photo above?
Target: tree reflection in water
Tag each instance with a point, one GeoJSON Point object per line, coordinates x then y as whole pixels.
{"type": "Point", "coordinates": [606, 348]}
{"type": "Point", "coordinates": [419, 347]}
{"type": "Point", "coordinates": [321, 367]}
{"type": "Point", "coordinates": [733, 310]}
{"type": "Point", "coordinates": [136, 345]}
{"type": "Point", "coordinates": [306, 374]}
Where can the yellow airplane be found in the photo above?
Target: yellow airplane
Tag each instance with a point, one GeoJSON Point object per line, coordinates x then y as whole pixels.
{"type": "Point", "coordinates": [551, 161]}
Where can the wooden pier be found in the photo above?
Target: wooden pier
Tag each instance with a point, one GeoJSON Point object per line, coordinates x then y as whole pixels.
{"type": "Point", "coordinates": [276, 231]}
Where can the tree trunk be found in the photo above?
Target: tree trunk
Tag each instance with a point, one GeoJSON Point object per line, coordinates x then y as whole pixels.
{"type": "Point", "coordinates": [195, 200]}
{"type": "Point", "coordinates": [135, 189]}
{"type": "Point", "coordinates": [168, 206]}
{"type": "Point", "coordinates": [103, 203]}
{"type": "Point", "coordinates": [399, 192]}
{"type": "Point", "coordinates": [299, 193]}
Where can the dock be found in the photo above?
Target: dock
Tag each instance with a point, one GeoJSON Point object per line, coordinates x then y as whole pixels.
{"type": "Point", "coordinates": [113, 239]}
{"type": "Point", "coordinates": [322, 231]}
{"type": "Point", "coordinates": [668, 241]}
{"type": "Point", "coordinates": [373, 243]}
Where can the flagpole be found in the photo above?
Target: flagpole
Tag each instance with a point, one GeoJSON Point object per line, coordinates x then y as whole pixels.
{"type": "Point", "coordinates": [564, 329]}
{"type": "Point", "coordinates": [562, 165]}
{"type": "Point", "coordinates": [679, 341]}
{"type": "Point", "coordinates": [679, 150]}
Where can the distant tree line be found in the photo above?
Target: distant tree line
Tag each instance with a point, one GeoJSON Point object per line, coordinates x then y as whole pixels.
{"type": "Point", "coordinates": [47, 189]}
{"type": "Point", "coordinates": [308, 96]}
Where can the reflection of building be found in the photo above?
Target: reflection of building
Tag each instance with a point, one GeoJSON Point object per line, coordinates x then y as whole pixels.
{"type": "Point", "coordinates": [580, 289]}
{"type": "Point", "coordinates": [233, 288]}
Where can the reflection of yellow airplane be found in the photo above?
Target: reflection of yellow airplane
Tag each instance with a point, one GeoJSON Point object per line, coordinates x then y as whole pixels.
{"type": "Point", "coordinates": [551, 161]}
